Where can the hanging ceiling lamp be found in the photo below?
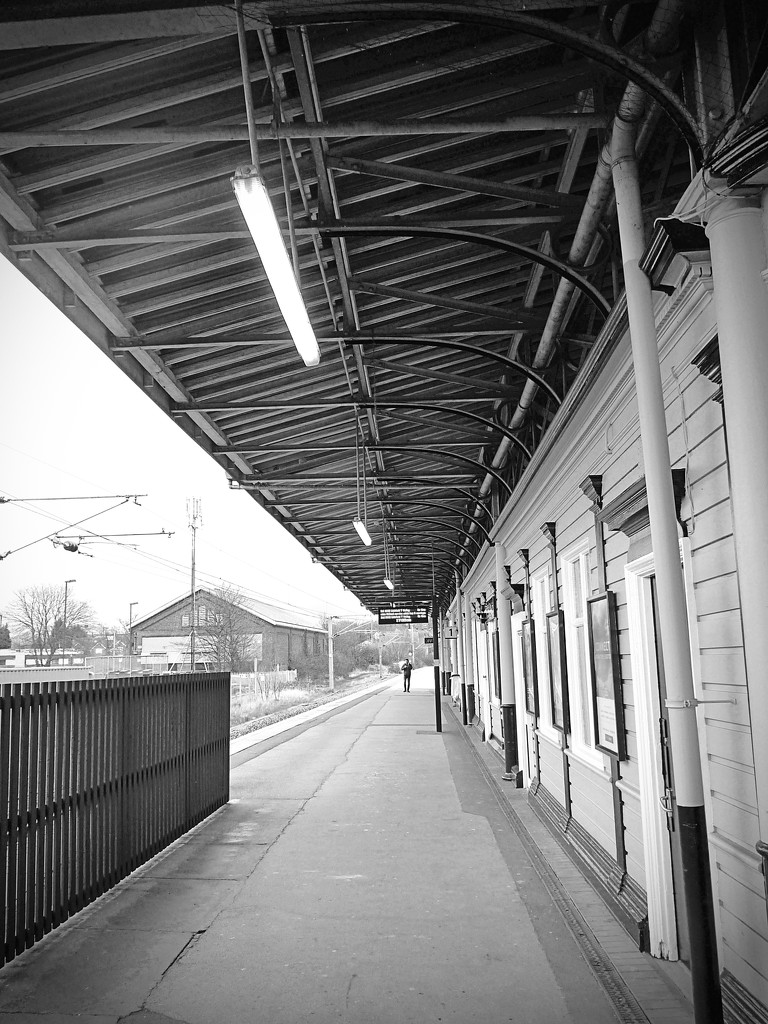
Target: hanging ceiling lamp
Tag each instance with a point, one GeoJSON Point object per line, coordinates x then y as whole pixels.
{"type": "Point", "coordinates": [256, 207]}
{"type": "Point", "coordinates": [361, 525]}
{"type": "Point", "coordinates": [387, 581]}
{"type": "Point", "coordinates": [253, 198]}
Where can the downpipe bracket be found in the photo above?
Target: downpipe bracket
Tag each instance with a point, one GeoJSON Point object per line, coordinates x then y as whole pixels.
{"type": "Point", "coordinates": [681, 705]}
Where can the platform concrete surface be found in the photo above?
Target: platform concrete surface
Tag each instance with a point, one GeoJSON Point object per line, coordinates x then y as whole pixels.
{"type": "Point", "coordinates": [361, 873]}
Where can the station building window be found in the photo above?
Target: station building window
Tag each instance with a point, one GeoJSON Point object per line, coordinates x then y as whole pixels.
{"type": "Point", "coordinates": [576, 591]}
{"type": "Point", "coordinates": [540, 593]}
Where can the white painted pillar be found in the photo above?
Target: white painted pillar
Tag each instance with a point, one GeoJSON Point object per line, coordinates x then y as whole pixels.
{"type": "Point", "coordinates": [453, 643]}
{"type": "Point", "coordinates": [460, 631]}
{"type": "Point", "coordinates": [670, 587]}
{"type": "Point", "coordinates": [504, 625]}
{"type": "Point", "coordinates": [469, 645]}
{"type": "Point", "coordinates": [658, 475]}
{"type": "Point", "coordinates": [739, 259]}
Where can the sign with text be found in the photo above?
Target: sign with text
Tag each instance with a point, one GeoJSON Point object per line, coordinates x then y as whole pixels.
{"type": "Point", "coordinates": [403, 616]}
{"type": "Point", "coordinates": [428, 640]}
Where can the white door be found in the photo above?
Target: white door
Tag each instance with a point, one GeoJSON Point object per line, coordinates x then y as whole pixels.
{"type": "Point", "coordinates": [481, 674]}
{"type": "Point", "coordinates": [524, 737]}
{"type": "Point", "coordinates": [662, 920]}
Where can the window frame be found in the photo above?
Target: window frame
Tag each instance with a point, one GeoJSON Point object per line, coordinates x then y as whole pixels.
{"type": "Point", "coordinates": [541, 606]}
{"type": "Point", "coordinates": [577, 660]}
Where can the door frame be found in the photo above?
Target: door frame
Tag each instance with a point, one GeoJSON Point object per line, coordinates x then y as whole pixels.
{"type": "Point", "coordinates": [662, 920]}
{"type": "Point", "coordinates": [494, 702]}
{"type": "Point", "coordinates": [481, 674]}
{"type": "Point", "coordinates": [524, 727]}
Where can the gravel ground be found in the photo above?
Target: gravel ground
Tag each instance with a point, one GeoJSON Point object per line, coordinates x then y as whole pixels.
{"type": "Point", "coordinates": [278, 716]}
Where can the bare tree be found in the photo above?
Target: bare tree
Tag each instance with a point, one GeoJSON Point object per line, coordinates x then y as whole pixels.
{"type": "Point", "coordinates": [39, 614]}
{"type": "Point", "coordinates": [226, 637]}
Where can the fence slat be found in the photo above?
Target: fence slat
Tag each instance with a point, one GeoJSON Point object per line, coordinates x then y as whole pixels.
{"type": "Point", "coordinates": [50, 717]}
{"type": "Point", "coordinates": [23, 819]}
{"type": "Point", "coordinates": [5, 814]}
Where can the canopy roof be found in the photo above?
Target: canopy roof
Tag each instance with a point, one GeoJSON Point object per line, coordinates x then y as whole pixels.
{"type": "Point", "coordinates": [436, 162]}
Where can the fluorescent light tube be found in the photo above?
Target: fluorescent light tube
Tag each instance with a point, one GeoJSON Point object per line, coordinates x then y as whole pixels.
{"type": "Point", "coordinates": [390, 584]}
{"type": "Point", "coordinates": [365, 537]}
{"type": "Point", "coordinates": [256, 207]}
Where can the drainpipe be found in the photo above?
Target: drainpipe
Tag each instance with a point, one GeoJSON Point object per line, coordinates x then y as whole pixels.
{"type": "Point", "coordinates": [453, 643]}
{"type": "Point", "coordinates": [673, 618]}
{"type": "Point", "coordinates": [460, 635]}
{"type": "Point", "coordinates": [445, 654]}
{"type": "Point", "coordinates": [660, 39]}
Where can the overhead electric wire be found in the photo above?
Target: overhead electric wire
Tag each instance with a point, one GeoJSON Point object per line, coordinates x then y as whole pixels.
{"type": "Point", "coordinates": [164, 518]}
{"type": "Point", "coordinates": [74, 497]}
{"type": "Point", "coordinates": [50, 535]}
{"type": "Point", "coordinates": [212, 580]}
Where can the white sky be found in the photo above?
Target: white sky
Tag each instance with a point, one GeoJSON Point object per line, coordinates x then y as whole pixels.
{"type": "Point", "coordinates": [72, 424]}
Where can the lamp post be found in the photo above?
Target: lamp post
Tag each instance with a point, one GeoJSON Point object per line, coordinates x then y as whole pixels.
{"type": "Point", "coordinates": [131, 606]}
{"type": "Point", "coordinates": [330, 652]}
{"type": "Point", "coordinates": [64, 625]}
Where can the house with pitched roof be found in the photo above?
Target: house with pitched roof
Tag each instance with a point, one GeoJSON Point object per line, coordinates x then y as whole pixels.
{"type": "Point", "coordinates": [230, 632]}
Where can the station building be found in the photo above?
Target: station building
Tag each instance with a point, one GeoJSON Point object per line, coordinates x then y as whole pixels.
{"type": "Point", "coordinates": [574, 573]}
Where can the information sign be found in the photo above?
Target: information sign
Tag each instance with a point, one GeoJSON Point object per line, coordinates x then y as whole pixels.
{"type": "Point", "coordinates": [428, 640]}
{"type": "Point", "coordinates": [403, 616]}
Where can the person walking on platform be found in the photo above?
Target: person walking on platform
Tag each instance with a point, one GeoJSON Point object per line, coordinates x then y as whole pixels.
{"type": "Point", "coordinates": [407, 666]}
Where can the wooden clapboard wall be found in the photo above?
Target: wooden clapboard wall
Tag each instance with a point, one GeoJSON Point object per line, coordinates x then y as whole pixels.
{"type": "Point", "coordinates": [601, 437]}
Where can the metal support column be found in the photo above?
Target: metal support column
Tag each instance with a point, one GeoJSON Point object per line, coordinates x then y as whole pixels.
{"type": "Point", "coordinates": [684, 737]}
{"type": "Point", "coordinates": [436, 664]}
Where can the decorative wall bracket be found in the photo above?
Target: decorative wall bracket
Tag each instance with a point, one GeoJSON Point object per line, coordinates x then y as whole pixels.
{"type": "Point", "coordinates": [628, 513]}
{"type": "Point", "coordinates": [550, 532]}
{"type": "Point", "coordinates": [592, 489]}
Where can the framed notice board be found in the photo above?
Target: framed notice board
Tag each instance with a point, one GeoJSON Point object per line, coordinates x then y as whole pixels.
{"type": "Point", "coordinates": [558, 672]}
{"type": "Point", "coordinates": [605, 667]}
{"type": "Point", "coordinates": [529, 668]}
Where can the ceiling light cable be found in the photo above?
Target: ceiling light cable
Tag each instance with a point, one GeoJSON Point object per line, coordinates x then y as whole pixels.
{"type": "Point", "coordinates": [246, 73]}
{"type": "Point", "coordinates": [256, 207]}
{"type": "Point", "coordinates": [361, 525]}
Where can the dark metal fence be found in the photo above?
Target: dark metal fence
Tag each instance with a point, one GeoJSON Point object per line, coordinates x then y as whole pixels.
{"type": "Point", "coordinates": [97, 776]}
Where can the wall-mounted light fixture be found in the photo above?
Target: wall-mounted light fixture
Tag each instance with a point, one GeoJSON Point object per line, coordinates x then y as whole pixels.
{"type": "Point", "coordinates": [483, 608]}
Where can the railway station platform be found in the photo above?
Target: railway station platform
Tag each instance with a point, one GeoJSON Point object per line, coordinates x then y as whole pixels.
{"type": "Point", "coordinates": [367, 869]}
